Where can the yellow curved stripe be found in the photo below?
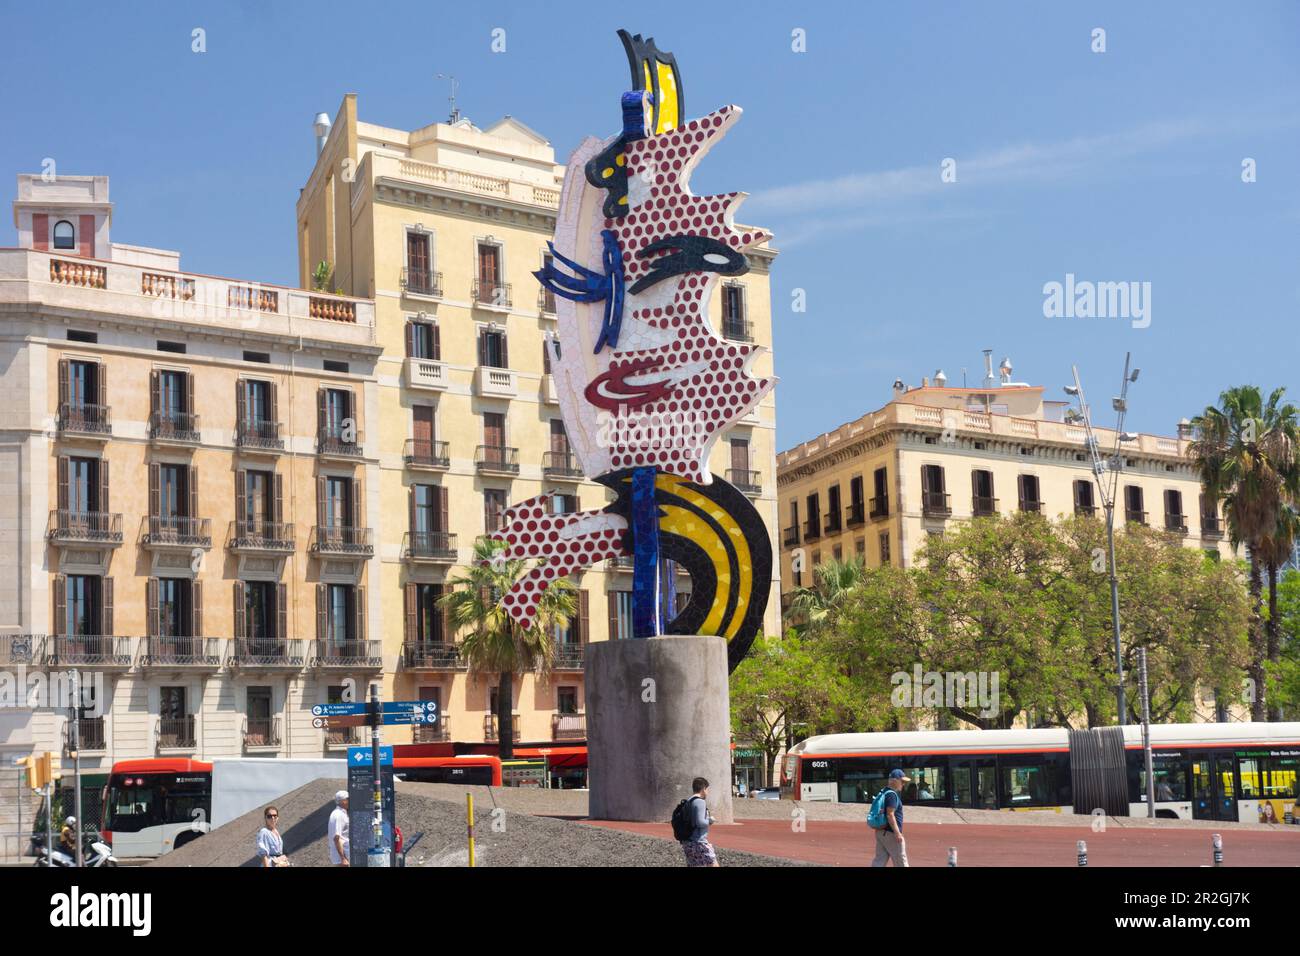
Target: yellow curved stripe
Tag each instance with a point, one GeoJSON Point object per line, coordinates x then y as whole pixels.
{"type": "Point", "coordinates": [668, 117]}
{"type": "Point", "coordinates": [679, 521]}
{"type": "Point", "coordinates": [672, 484]}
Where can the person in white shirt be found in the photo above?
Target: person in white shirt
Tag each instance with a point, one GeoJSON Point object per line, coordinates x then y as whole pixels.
{"type": "Point", "coordinates": [338, 831]}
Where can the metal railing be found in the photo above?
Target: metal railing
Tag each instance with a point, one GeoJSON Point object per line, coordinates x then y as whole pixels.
{"type": "Point", "coordinates": [937, 503]}
{"type": "Point", "coordinates": [1031, 504]}
{"type": "Point", "coordinates": [738, 330]}
{"type": "Point", "coordinates": [429, 546]}
{"type": "Point", "coordinates": [1211, 527]}
{"type": "Point", "coordinates": [856, 513]}
{"type": "Point", "coordinates": [90, 734]}
{"type": "Point", "coordinates": [198, 652]}
{"type": "Point", "coordinates": [490, 728]}
{"type": "Point", "coordinates": [267, 652]}
{"type": "Point", "coordinates": [812, 528]}
{"type": "Point", "coordinates": [178, 531]}
{"type": "Point", "coordinates": [337, 440]}
{"type": "Point", "coordinates": [1176, 522]}
{"type": "Point", "coordinates": [92, 650]}
{"type": "Point", "coordinates": [546, 301]}
{"type": "Point", "coordinates": [438, 733]}
{"type": "Point", "coordinates": [561, 464]}
{"type": "Point", "coordinates": [277, 536]}
{"type": "Point", "coordinates": [1088, 510]}
{"type": "Point", "coordinates": [86, 527]}
{"type": "Point", "coordinates": [568, 726]}
{"type": "Point", "coordinates": [423, 453]}
{"type": "Point", "coordinates": [78, 418]}
{"type": "Point", "coordinates": [790, 536]}
{"type": "Point", "coordinates": [174, 427]}
{"type": "Point", "coordinates": [343, 737]}
{"type": "Point", "coordinates": [341, 540]}
{"type": "Point", "coordinates": [499, 458]}
{"type": "Point", "coordinates": [255, 433]}
{"type": "Point", "coordinates": [178, 733]}
{"type": "Point", "coordinates": [878, 507]}
{"type": "Point", "coordinates": [367, 654]}
{"type": "Point", "coordinates": [747, 481]}
{"type": "Point", "coordinates": [422, 282]}
{"type": "Point", "coordinates": [834, 521]}
{"type": "Point", "coordinates": [983, 506]}
{"type": "Point", "coordinates": [488, 293]}
{"type": "Point", "coordinates": [569, 656]}
{"type": "Point", "coordinates": [261, 732]}
{"type": "Point", "coordinates": [1135, 517]}
{"type": "Point", "coordinates": [432, 655]}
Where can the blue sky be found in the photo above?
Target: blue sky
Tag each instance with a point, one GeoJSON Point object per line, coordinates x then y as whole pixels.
{"type": "Point", "coordinates": [1115, 166]}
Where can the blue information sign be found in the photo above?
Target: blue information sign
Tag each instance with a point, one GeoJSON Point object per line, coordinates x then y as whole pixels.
{"type": "Point", "coordinates": [360, 756]}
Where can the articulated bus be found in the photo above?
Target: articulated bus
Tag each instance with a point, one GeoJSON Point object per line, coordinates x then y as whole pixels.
{"type": "Point", "coordinates": [1242, 771]}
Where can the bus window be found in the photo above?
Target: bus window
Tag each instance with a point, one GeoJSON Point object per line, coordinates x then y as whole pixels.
{"type": "Point", "coordinates": [1248, 767]}
{"type": "Point", "coordinates": [1036, 780]}
{"type": "Point", "coordinates": [929, 782]}
{"type": "Point", "coordinates": [859, 779]}
{"type": "Point", "coordinates": [1278, 778]}
{"type": "Point", "coordinates": [1170, 774]}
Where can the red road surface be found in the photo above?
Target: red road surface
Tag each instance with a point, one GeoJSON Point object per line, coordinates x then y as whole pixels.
{"type": "Point", "coordinates": [843, 843]}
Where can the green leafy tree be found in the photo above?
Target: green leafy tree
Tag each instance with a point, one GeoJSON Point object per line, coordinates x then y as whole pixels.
{"type": "Point", "coordinates": [1284, 676]}
{"type": "Point", "coordinates": [494, 643]}
{"type": "Point", "coordinates": [1246, 452]}
{"type": "Point", "coordinates": [321, 275]}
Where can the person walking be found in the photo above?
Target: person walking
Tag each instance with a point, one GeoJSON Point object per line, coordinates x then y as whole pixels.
{"type": "Point", "coordinates": [340, 826]}
{"type": "Point", "coordinates": [691, 823]}
{"type": "Point", "coordinates": [270, 845]}
{"type": "Point", "coordinates": [886, 818]}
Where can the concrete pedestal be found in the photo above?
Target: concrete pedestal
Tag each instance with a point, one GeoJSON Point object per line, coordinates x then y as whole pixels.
{"type": "Point", "coordinates": [658, 715]}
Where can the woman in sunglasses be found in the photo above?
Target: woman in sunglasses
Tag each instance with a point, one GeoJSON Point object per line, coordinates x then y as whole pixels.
{"type": "Point", "coordinates": [270, 845]}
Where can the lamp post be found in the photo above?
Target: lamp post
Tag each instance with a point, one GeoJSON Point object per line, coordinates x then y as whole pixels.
{"type": "Point", "coordinates": [1099, 468]}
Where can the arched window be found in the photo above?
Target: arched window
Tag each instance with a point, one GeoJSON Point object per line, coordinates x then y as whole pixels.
{"type": "Point", "coordinates": [64, 235]}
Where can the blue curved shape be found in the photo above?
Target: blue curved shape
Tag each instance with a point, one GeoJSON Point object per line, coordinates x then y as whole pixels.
{"type": "Point", "coordinates": [587, 285]}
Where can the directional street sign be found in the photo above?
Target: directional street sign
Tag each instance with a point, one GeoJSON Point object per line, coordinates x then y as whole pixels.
{"type": "Point", "coordinates": [338, 710]}
{"type": "Point", "coordinates": [363, 720]}
{"type": "Point", "coordinates": [414, 717]}
{"type": "Point", "coordinates": [388, 707]}
{"type": "Point", "coordinates": [400, 706]}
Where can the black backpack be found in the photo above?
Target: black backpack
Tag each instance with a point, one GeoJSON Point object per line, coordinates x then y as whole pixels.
{"type": "Point", "coordinates": [683, 825]}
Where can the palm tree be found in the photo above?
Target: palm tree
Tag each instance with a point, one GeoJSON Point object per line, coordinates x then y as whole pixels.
{"type": "Point", "coordinates": [833, 582]}
{"type": "Point", "coordinates": [1246, 454]}
{"type": "Point", "coordinates": [495, 644]}
{"type": "Point", "coordinates": [1275, 550]}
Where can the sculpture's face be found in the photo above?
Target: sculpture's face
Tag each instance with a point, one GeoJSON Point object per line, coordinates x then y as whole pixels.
{"type": "Point", "coordinates": [662, 394]}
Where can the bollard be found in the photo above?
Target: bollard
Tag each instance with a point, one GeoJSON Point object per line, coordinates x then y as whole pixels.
{"type": "Point", "coordinates": [1218, 849]}
{"type": "Point", "coordinates": [469, 809]}
{"type": "Point", "coordinates": [952, 856]}
{"type": "Point", "coordinates": [1083, 852]}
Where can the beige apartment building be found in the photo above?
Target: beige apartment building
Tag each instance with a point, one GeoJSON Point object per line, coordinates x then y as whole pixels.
{"type": "Point", "coordinates": [442, 227]}
{"type": "Point", "coordinates": [188, 480]}
{"type": "Point", "coordinates": [935, 455]}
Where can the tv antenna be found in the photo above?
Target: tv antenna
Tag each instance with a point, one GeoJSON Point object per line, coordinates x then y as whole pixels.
{"type": "Point", "coordinates": [454, 117]}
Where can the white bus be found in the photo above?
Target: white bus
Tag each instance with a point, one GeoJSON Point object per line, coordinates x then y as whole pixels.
{"type": "Point", "coordinates": [1234, 771]}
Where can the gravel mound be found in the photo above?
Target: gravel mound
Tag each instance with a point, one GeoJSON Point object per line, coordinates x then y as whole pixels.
{"type": "Point", "coordinates": [506, 832]}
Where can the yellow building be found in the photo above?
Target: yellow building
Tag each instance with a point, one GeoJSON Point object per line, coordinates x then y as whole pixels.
{"type": "Point", "coordinates": [186, 475]}
{"type": "Point", "coordinates": [442, 226]}
{"type": "Point", "coordinates": [934, 455]}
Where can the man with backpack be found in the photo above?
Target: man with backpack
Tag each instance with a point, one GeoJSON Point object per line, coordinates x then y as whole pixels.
{"type": "Point", "coordinates": [691, 826]}
{"type": "Point", "coordinates": [886, 818]}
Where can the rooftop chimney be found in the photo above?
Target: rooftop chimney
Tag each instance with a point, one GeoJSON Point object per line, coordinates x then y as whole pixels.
{"type": "Point", "coordinates": [989, 380]}
{"type": "Point", "coordinates": [322, 127]}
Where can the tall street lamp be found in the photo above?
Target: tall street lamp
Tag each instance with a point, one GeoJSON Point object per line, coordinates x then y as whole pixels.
{"type": "Point", "coordinates": [1100, 468]}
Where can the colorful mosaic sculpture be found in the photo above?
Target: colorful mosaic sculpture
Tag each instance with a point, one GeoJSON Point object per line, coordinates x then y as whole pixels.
{"type": "Point", "coordinates": [645, 384]}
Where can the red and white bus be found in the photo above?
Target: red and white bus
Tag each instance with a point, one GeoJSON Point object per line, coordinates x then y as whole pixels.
{"type": "Point", "coordinates": [1234, 771]}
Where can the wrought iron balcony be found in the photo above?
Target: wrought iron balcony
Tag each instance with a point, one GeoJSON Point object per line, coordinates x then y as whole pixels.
{"type": "Point", "coordinates": [421, 453]}
{"type": "Point", "coordinates": [569, 656]}
{"type": "Point", "coordinates": [335, 441]}
{"type": "Point", "coordinates": [422, 282]}
{"type": "Point", "coordinates": [747, 482]}
{"type": "Point", "coordinates": [983, 506]}
{"type": "Point", "coordinates": [92, 650]}
{"type": "Point", "coordinates": [438, 733]}
{"type": "Point", "coordinates": [178, 733]}
{"type": "Point", "coordinates": [341, 541]}
{"type": "Point", "coordinates": [86, 528]}
{"type": "Point", "coordinates": [433, 546]}
{"type": "Point", "coordinates": [790, 536]}
{"type": "Point", "coordinates": [936, 504]}
{"type": "Point", "coordinates": [561, 465]}
{"type": "Point", "coordinates": [812, 528]}
{"type": "Point", "coordinates": [432, 656]}
{"type": "Point", "coordinates": [833, 521]}
{"type": "Point", "coordinates": [1211, 527]}
{"type": "Point", "coordinates": [176, 531]}
{"type": "Point", "coordinates": [1135, 517]}
{"type": "Point", "coordinates": [497, 459]}
{"type": "Point", "coordinates": [879, 507]}
{"type": "Point", "coordinates": [1176, 522]}
{"type": "Point", "coordinates": [84, 420]}
{"type": "Point", "coordinates": [1031, 504]}
{"type": "Point", "coordinates": [258, 435]}
{"type": "Point", "coordinates": [1088, 510]}
{"type": "Point", "coordinates": [855, 514]}
{"type": "Point", "coordinates": [546, 301]}
{"type": "Point", "coordinates": [90, 734]}
{"type": "Point", "coordinates": [568, 726]}
{"type": "Point", "coordinates": [355, 655]}
{"type": "Point", "coordinates": [493, 295]}
{"type": "Point", "coordinates": [196, 653]}
{"type": "Point", "coordinates": [737, 330]}
{"type": "Point", "coordinates": [490, 733]}
{"type": "Point", "coordinates": [267, 653]}
{"type": "Point", "coordinates": [261, 733]}
{"type": "Point", "coordinates": [261, 537]}
{"type": "Point", "coordinates": [174, 428]}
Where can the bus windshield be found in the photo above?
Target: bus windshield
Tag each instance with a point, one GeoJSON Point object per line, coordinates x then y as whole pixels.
{"type": "Point", "coordinates": [137, 801]}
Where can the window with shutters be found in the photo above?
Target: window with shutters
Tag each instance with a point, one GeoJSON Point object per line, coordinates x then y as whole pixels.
{"type": "Point", "coordinates": [419, 276]}
{"type": "Point", "coordinates": [620, 615]}
{"type": "Point", "coordinates": [983, 503]}
{"type": "Point", "coordinates": [834, 515]}
{"type": "Point", "coordinates": [735, 324]}
{"type": "Point", "coordinates": [1084, 502]}
{"type": "Point", "coordinates": [1030, 497]}
{"type": "Point", "coordinates": [82, 594]}
{"type": "Point", "coordinates": [260, 611]}
{"type": "Point", "coordinates": [423, 340]}
{"type": "Point", "coordinates": [489, 287]}
{"type": "Point", "coordinates": [494, 504]}
{"type": "Point", "coordinates": [174, 608]}
{"type": "Point", "coordinates": [1175, 520]}
{"type": "Point", "coordinates": [492, 348]}
{"type": "Point", "coordinates": [934, 497]}
{"type": "Point", "coordinates": [83, 486]}
{"type": "Point", "coordinates": [880, 491]}
{"type": "Point", "coordinates": [813, 524]}
{"type": "Point", "coordinates": [1133, 505]}
{"type": "Point", "coordinates": [65, 235]}
{"type": "Point", "coordinates": [566, 700]}
{"type": "Point", "coordinates": [884, 548]}
{"type": "Point", "coordinates": [340, 613]}
{"type": "Point", "coordinates": [428, 623]}
{"type": "Point", "coordinates": [83, 384]}
{"type": "Point", "coordinates": [338, 503]}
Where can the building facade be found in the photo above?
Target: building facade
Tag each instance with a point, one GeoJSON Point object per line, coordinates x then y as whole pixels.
{"type": "Point", "coordinates": [443, 227]}
{"type": "Point", "coordinates": [188, 486]}
{"type": "Point", "coordinates": [934, 455]}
